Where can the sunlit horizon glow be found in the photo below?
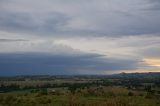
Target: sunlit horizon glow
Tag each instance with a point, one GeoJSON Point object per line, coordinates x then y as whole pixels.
{"type": "Point", "coordinates": [153, 62]}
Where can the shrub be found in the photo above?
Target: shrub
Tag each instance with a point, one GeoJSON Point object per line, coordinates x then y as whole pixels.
{"type": "Point", "coordinates": [43, 92]}
{"type": "Point", "coordinates": [149, 95]}
{"type": "Point", "coordinates": [130, 94]}
{"type": "Point", "coordinates": [140, 94]}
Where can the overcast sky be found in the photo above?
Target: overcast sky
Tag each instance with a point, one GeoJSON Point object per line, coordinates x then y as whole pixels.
{"type": "Point", "coordinates": [79, 36]}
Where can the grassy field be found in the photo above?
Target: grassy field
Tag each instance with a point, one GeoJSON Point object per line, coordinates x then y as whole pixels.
{"type": "Point", "coordinates": [94, 96]}
{"type": "Point", "coordinates": [115, 90]}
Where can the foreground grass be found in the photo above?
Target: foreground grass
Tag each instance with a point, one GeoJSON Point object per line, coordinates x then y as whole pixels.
{"type": "Point", "coordinates": [110, 96]}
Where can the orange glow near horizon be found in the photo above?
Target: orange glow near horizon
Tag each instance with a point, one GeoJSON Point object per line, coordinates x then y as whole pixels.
{"type": "Point", "coordinates": [141, 71]}
{"type": "Point", "coordinates": [152, 62]}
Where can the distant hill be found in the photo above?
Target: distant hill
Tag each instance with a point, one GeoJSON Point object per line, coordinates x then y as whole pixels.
{"type": "Point", "coordinates": [149, 75]}
{"type": "Point", "coordinates": [137, 75]}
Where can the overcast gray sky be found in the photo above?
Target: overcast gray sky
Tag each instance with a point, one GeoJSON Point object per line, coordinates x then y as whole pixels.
{"type": "Point", "coordinates": [79, 36]}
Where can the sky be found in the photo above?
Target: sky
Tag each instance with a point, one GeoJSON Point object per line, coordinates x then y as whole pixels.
{"type": "Point", "coordinates": [78, 37]}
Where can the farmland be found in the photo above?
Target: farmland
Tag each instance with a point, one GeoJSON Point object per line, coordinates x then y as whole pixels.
{"type": "Point", "coordinates": [123, 89]}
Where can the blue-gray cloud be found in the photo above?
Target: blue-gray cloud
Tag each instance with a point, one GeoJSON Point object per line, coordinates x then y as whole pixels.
{"type": "Point", "coordinates": [34, 26]}
{"type": "Point", "coordinates": [12, 40]}
{"type": "Point", "coordinates": [24, 23]}
{"type": "Point", "coordinates": [153, 52]}
{"type": "Point", "coordinates": [115, 20]}
{"type": "Point", "coordinates": [29, 63]}
{"type": "Point", "coordinates": [155, 5]}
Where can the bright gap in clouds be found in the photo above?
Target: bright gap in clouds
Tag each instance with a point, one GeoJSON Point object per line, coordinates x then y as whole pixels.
{"type": "Point", "coordinates": [152, 62]}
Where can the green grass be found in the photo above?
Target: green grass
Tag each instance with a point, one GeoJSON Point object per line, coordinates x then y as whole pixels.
{"type": "Point", "coordinates": [111, 96]}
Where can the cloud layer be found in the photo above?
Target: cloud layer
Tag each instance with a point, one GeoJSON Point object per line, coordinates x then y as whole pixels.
{"type": "Point", "coordinates": [80, 18]}
{"type": "Point", "coordinates": [78, 36]}
{"type": "Point", "coordinates": [29, 64]}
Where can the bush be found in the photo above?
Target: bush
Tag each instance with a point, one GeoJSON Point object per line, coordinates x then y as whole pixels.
{"type": "Point", "coordinates": [130, 94]}
{"type": "Point", "coordinates": [140, 94]}
{"type": "Point", "coordinates": [43, 92]}
{"type": "Point", "coordinates": [1, 99]}
{"type": "Point", "coordinates": [149, 95]}
{"type": "Point", "coordinates": [111, 94]}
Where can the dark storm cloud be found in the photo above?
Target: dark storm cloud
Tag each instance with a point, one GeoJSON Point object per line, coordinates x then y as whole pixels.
{"type": "Point", "coordinates": [13, 64]}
